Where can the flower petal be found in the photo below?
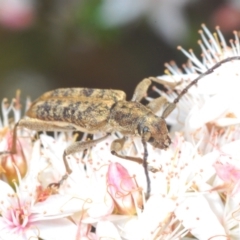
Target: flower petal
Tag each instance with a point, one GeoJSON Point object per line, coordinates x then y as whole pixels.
{"type": "Point", "coordinates": [107, 230]}
{"type": "Point", "coordinates": [196, 215]}
{"type": "Point", "coordinates": [59, 229]}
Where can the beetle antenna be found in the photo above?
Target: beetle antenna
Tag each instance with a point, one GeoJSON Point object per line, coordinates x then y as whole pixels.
{"type": "Point", "coordinates": [195, 81]}
{"type": "Point", "coordinates": [145, 166]}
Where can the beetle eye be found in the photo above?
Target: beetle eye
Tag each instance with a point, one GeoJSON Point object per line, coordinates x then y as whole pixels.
{"type": "Point", "coordinates": [151, 139]}
{"type": "Point", "coordinates": [145, 129]}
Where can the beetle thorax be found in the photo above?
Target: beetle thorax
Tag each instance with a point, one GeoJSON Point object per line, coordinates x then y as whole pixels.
{"type": "Point", "coordinates": [126, 116]}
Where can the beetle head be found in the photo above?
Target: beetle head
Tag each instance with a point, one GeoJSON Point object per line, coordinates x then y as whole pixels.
{"type": "Point", "coordinates": [154, 130]}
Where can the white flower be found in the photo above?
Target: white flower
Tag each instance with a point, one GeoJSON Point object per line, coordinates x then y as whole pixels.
{"type": "Point", "coordinates": [214, 100]}
{"type": "Point", "coordinates": [31, 211]}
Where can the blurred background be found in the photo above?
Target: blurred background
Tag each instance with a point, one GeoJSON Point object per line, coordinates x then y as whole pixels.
{"type": "Point", "coordinates": [47, 44]}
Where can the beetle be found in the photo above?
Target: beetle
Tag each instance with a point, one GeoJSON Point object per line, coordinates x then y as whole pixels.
{"type": "Point", "coordinates": [92, 110]}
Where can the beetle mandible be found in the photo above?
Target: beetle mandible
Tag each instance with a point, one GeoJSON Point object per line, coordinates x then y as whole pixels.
{"type": "Point", "coordinates": [93, 110]}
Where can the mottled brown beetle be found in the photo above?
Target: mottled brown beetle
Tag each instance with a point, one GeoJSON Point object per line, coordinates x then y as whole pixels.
{"type": "Point", "coordinates": [93, 110]}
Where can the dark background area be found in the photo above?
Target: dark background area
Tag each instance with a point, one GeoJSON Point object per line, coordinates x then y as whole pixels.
{"type": "Point", "coordinates": [61, 44]}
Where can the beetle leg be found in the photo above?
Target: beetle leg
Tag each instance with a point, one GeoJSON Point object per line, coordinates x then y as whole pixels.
{"type": "Point", "coordinates": [36, 125]}
{"type": "Point", "coordinates": [80, 146]}
{"type": "Point", "coordinates": [156, 104]}
{"type": "Point", "coordinates": [171, 85]}
{"type": "Point", "coordinates": [168, 110]}
{"type": "Point", "coordinates": [141, 90]}
{"type": "Point", "coordinates": [161, 103]}
{"type": "Point", "coordinates": [40, 125]}
{"type": "Point", "coordinates": [117, 145]}
{"type": "Point", "coordinates": [74, 148]}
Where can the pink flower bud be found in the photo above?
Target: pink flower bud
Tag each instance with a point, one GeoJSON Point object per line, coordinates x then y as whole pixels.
{"type": "Point", "coordinates": [123, 189]}
{"type": "Point", "coordinates": [11, 161]}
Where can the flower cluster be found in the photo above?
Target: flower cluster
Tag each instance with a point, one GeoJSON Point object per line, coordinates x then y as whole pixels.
{"type": "Point", "coordinates": [195, 185]}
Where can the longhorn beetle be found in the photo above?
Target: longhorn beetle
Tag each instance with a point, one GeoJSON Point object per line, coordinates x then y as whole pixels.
{"type": "Point", "coordinates": [91, 110]}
